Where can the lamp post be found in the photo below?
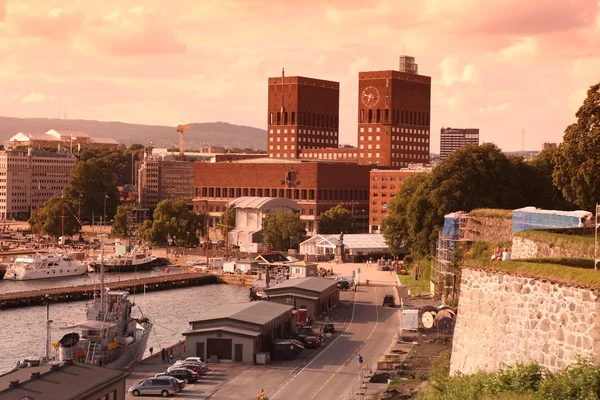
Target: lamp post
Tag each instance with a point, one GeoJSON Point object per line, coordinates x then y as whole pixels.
{"type": "Point", "coordinates": [48, 323]}
{"type": "Point", "coordinates": [104, 218]}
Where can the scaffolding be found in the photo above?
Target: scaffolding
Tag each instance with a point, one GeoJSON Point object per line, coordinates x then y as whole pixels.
{"type": "Point", "coordinates": [596, 228]}
{"type": "Point", "coordinates": [445, 262]}
{"type": "Point", "coordinates": [135, 218]}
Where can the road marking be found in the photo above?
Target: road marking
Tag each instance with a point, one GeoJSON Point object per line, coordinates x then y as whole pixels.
{"type": "Point", "coordinates": [359, 347]}
{"type": "Point", "coordinates": [321, 352]}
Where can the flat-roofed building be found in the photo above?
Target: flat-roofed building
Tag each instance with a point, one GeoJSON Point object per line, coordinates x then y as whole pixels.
{"type": "Point", "coordinates": [28, 178]}
{"type": "Point", "coordinates": [68, 381]}
{"type": "Point", "coordinates": [454, 138]}
{"type": "Point", "coordinates": [70, 140]}
{"type": "Point", "coordinates": [317, 295]}
{"type": "Point", "coordinates": [237, 332]}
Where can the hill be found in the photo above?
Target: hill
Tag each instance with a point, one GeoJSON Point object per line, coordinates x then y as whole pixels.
{"type": "Point", "coordinates": [200, 134]}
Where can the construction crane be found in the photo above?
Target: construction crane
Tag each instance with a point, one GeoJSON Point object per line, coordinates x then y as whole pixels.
{"type": "Point", "coordinates": [180, 130]}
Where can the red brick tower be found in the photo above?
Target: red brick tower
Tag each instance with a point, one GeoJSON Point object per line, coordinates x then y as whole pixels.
{"type": "Point", "coordinates": [393, 117]}
{"type": "Point", "coordinates": [303, 113]}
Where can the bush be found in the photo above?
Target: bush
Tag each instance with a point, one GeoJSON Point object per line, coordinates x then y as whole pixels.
{"type": "Point", "coordinates": [580, 381]}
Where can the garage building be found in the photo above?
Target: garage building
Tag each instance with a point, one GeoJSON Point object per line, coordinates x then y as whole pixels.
{"type": "Point", "coordinates": [237, 332]}
{"type": "Point", "coordinates": [317, 295]}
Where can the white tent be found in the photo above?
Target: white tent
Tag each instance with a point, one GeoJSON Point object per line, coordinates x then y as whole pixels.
{"type": "Point", "coordinates": [364, 243]}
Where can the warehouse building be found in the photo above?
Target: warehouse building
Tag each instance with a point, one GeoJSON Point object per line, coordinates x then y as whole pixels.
{"type": "Point", "coordinates": [317, 295]}
{"type": "Point", "coordinates": [237, 332]}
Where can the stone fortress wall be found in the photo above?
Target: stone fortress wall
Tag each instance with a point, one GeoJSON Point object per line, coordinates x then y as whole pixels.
{"type": "Point", "coordinates": [528, 248]}
{"type": "Point", "coordinates": [504, 319]}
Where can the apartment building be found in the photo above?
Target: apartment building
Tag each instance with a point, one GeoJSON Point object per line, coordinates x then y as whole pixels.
{"type": "Point", "coordinates": [29, 178]}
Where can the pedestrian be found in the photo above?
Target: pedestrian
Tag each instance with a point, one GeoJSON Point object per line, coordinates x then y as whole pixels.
{"type": "Point", "coordinates": [151, 351]}
{"type": "Point", "coordinates": [360, 361]}
{"type": "Point", "coordinates": [163, 354]}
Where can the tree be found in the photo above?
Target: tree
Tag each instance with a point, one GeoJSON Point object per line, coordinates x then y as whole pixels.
{"type": "Point", "coordinates": [90, 180]}
{"type": "Point", "coordinates": [279, 227]}
{"type": "Point", "coordinates": [336, 220]}
{"type": "Point", "coordinates": [51, 214]}
{"type": "Point", "coordinates": [174, 222]}
{"type": "Point", "coordinates": [119, 227]}
{"type": "Point", "coordinates": [227, 219]}
{"type": "Point", "coordinates": [577, 168]}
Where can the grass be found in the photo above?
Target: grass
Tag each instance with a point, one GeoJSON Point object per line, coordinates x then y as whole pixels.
{"type": "Point", "coordinates": [419, 287]}
{"type": "Point", "coordinates": [583, 244]}
{"type": "Point", "coordinates": [398, 382]}
{"type": "Point", "coordinates": [557, 273]}
{"type": "Point", "coordinates": [491, 213]}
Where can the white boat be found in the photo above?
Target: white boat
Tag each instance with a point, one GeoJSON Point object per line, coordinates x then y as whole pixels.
{"type": "Point", "coordinates": [136, 260]}
{"type": "Point", "coordinates": [109, 337]}
{"type": "Point", "coordinates": [41, 266]}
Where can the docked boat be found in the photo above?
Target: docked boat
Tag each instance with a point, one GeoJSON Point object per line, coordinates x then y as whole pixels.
{"type": "Point", "coordinates": [42, 266]}
{"type": "Point", "coordinates": [136, 260]}
{"type": "Point", "coordinates": [109, 337]}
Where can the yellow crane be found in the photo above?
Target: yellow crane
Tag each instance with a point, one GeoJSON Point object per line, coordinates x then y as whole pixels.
{"type": "Point", "coordinates": [180, 130]}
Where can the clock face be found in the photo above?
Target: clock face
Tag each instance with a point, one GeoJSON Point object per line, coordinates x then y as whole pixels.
{"type": "Point", "coordinates": [370, 96]}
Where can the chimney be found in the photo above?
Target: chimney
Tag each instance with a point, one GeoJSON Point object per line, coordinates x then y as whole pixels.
{"type": "Point", "coordinates": [14, 383]}
{"type": "Point", "coordinates": [34, 375]}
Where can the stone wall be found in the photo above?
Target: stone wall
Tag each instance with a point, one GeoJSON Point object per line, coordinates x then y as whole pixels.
{"type": "Point", "coordinates": [504, 319]}
{"type": "Point", "coordinates": [485, 229]}
{"type": "Point", "coordinates": [528, 248]}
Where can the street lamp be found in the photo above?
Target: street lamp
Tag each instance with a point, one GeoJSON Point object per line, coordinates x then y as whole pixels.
{"type": "Point", "coordinates": [104, 219]}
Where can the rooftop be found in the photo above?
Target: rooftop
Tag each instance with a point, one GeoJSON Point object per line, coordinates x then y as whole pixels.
{"type": "Point", "coordinates": [73, 381]}
{"type": "Point", "coordinates": [263, 203]}
{"type": "Point", "coordinates": [256, 312]}
{"type": "Point", "coordinates": [312, 284]}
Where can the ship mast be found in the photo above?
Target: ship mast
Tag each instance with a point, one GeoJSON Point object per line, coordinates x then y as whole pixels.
{"type": "Point", "coordinates": [102, 275]}
{"type": "Point", "coordinates": [48, 322]}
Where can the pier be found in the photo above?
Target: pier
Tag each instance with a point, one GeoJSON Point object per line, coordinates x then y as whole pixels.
{"type": "Point", "coordinates": [57, 295]}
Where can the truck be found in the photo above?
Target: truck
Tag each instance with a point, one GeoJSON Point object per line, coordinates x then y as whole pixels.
{"type": "Point", "coordinates": [229, 268]}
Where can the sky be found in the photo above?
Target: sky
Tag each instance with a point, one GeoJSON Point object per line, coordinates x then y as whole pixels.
{"type": "Point", "coordinates": [514, 69]}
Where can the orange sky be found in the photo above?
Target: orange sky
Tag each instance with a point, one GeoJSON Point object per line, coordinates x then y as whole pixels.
{"type": "Point", "coordinates": [499, 65]}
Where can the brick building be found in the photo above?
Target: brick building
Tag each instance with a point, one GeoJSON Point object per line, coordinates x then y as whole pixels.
{"type": "Point", "coordinates": [394, 117]}
{"type": "Point", "coordinates": [315, 186]}
{"type": "Point", "coordinates": [454, 138]}
{"type": "Point", "coordinates": [383, 186]}
{"type": "Point", "coordinates": [31, 177]}
{"type": "Point", "coordinates": [303, 113]}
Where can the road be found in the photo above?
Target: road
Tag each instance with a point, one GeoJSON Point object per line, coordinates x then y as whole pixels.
{"type": "Point", "coordinates": [334, 372]}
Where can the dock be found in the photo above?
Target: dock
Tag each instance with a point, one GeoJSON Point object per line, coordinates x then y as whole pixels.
{"type": "Point", "coordinates": [58, 295]}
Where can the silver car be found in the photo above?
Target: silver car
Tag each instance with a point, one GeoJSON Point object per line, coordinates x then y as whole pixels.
{"type": "Point", "coordinates": [163, 386]}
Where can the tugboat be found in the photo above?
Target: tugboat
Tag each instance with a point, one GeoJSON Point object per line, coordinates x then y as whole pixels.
{"type": "Point", "coordinates": [110, 337]}
{"type": "Point", "coordinates": [136, 260]}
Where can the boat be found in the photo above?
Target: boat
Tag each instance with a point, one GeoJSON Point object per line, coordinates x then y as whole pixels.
{"type": "Point", "coordinates": [136, 260]}
{"type": "Point", "coordinates": [42, 266]}
{"type": "Point", "coordinates": [109, 337]}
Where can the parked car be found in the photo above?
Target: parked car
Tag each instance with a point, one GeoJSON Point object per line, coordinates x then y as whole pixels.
{"type": "Point", "coordinates": [192, 361]}
{"type": "Point", "coordinates": [343, 285]}
{"type": "Point", "coordinates": [328, 328]}
{"type": "Point", "coordinates": [304, 332]}
{"type": "Point", "coordinates": [193, 367]}
{"type": "Point", "coordinates": [163, 386]}
{"type": "Point", "coordinates": [312, 342]}
{"type": "Point", "coordinates": [388, 300]}
{"type": "Point", "coordinates": [184, 374]}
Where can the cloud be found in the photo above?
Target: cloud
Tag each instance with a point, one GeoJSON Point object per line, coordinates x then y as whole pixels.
{"type": "Point", "coordinates": [494, 109]}
{"type": "Point", "coordinates": [453, 73]}
{"type": "Point", "coordinates": [34, 97]}
{"type": "Point", "coordinates": [523, 49]}
{"type": "Point", "coordinates": [357, 65]}
{"type": "Point", "coordinates": [2, 9]}
{"type": "Point", "coordinates": [137, 9]}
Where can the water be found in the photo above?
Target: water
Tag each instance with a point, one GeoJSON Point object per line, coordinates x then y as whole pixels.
{"type": "Point", "coordinates": [23, 330]}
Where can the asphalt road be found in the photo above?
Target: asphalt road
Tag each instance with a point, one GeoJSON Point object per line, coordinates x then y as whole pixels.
{"type": "Point", "coordinates": [334, 373]}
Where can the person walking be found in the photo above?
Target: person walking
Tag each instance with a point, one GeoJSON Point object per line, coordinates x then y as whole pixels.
{"type": "Point", "coordinates": [360, 361]}
{"type": "Point", "coordinates": [163, 354]}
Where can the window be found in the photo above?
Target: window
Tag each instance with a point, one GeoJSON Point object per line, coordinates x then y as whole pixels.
{"type": "Point", "coordinates": [293, 117]}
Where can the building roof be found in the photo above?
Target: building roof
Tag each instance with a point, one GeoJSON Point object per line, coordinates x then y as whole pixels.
{"type": "Point", "coordinates": [256, 312]}
{"type": "Point", "coordinates": [263, 203]}
{"type": "Point", "coordinates": [103, 140]}
{"type": "Point", "coordinates": [73, 381]}
{"type": "Point", "coordinates": [302, 264]}
{"type": "Point", "coordinates": [230, 329]}
{"type": "Point", "coordinates": [267, 160]}
{"type": "Point", "coordinates": [22, 137]}
{"type": "Point", "coordinates": [358, 241]}
{"type": "Point", "coordinates": [272, 258]}
{"type": "Point", "coordinates": [312, 284]}
{"type": "Point", "coordinates": [71, 133]}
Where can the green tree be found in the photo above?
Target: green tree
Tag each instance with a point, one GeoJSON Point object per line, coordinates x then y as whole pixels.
{"type": "Point", "coordinates": [577, 168]}
{"type": "Point", "coordinates": [90, 180]}
{"type": "Point", "coordinates": [51, 215]}
{"type": "Point", "coordinates": [227, 219]}
{"type": "Point", "coordinates": [336, 220]}
{"type": "Point", "coordinates": [119, 227]}
{"type": "Point", "coordinates": [174, 222]}
{"type": "Point", "coordinates": [279, 227]}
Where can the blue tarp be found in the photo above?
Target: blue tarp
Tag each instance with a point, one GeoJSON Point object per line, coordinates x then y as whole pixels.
{"type": "Point", "coordinates": [534, 218]}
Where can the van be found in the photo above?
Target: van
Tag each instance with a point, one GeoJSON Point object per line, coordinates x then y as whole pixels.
{"type": "Point", "coordinates": [162, 386]}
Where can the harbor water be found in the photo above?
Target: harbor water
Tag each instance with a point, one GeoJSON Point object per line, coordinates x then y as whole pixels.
{"type": "Point", "coordinates": [23, 330]}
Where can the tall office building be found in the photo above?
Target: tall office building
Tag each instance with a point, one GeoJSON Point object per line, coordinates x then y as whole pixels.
{"type": "Point", "coordinates": [454, 138]}
{"type": "Point", "coordinates": [394, 116]}
{"type": "Point", "coordinates": [303, 113]}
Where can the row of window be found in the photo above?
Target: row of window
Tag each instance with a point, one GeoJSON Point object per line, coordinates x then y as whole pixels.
{"type": "Point", "coordinates": [304, 131]}
{"type": "Point", "coordinates": [405, 117]}
{"type": "Point", "coordinates": [392, 178]}
{"type": "Point", "coordinates": [304, 118]}
{"type": "Point", "coordinates": [305, 139]}
{"type": "Point", "coordinates": [296, 194]}
{"type": "Point", "coordinates": [397, 130]}
{"type": "Point", "coordinates": [329, 156]}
